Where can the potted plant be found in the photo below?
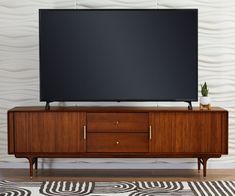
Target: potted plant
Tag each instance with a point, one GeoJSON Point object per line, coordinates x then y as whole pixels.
{"type": "Point", "coordinates": [204, 99]}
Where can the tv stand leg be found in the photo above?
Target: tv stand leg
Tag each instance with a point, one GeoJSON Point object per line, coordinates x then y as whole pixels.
{"type": "Point", "coordinates": [204, 166]}
{"type": "Point", "coordinates": [190, 107]}
{"type": "Point", "coordinates": [199, 164]}
{"type": "Point", "coordinates": [36, 164]}
{"type": "Point", "coordinates": [202, 161]}
{"type": "Point", "coordinates": [47, 107]}
{"type": "Point", "coordinates": [31, 160]}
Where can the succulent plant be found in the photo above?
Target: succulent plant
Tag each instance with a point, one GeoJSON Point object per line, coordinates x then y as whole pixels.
{"type": "Point", "coordinates": [204, 90]}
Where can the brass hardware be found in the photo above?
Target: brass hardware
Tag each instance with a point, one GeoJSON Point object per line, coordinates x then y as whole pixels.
{"type": "Point", "coordinates": [84, 132]}
{"type": "Point", "coordinates": [150, 132]}
{"type": "Point", "coordinates": [117, 142]}
{"type": "Point", "coordinates": [117, 122]}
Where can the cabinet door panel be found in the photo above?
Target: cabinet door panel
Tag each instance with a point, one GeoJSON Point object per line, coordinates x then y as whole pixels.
{"type": "Point", "coordinates": [214, 137]}
{"type": "Point", "coordinates": [189, 133]}
{"type": "Point", "coordinates": [22, 127]}
{"type": "Point", "coordinates": [48, 132]}
{"type": "Point", "coordinates": [186, 132]}
{"type": "Point", "coordinates": [42, 132]}
{"type": "Point", "coordinates": [163, 132]}
{"type": "Point", "coordinates": [68, 134]}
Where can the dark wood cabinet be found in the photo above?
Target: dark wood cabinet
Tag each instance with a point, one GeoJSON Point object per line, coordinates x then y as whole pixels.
{"type": "Point", "coordinates": [188, 132]}
{"type": "Point", "coordinates": [34, 132]}
{"type": "Point", "coordinates": [48, 132]}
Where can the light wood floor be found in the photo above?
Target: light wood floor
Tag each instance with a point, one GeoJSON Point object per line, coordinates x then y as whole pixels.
{"type": "Point", "coordinates": [117, 175]}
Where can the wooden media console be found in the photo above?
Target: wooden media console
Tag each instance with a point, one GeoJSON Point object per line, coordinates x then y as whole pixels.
{"type": "Point", "coordinates": [138, 132]}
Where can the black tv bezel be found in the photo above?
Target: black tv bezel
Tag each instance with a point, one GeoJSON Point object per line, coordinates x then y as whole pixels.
{"type": "Point", "coordinates": [117, 100]}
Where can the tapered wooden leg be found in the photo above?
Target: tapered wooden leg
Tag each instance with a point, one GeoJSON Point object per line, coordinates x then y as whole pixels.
{"type": "Point", "coordinates": [198, 164]}
{"type": "Point", "coordinates": [31, 166]}
{"type": "Point", "coordinates": [36, 164]}
{"type": "Point", "coordinates": [202, 161]}
{"type": "Point", "coordinates": [204, 166]}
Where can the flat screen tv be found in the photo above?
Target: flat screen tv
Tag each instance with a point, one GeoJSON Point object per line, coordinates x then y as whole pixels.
{"type": "Point", "coordinates": [118, 55]}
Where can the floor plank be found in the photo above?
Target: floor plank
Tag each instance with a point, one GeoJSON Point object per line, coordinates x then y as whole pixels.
{"type": "Point", "coordinates": [117, 174]}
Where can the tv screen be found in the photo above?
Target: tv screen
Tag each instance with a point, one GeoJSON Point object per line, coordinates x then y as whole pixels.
{"type": "Point", "coordinates": [118, 55]}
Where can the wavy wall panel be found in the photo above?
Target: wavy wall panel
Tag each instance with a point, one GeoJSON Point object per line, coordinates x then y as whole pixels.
{"type": "Point", "coordinates": [19, 59]}
{"type": "Point", "coordinates": [125, 4]}
{"type": "Point", "coordinates": [19, 66]}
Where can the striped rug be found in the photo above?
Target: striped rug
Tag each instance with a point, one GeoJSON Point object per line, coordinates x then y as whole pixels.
{"type": "Point", "coordinates": [226, 188]}
{"type": "Point", "coordinates": [135, 188]}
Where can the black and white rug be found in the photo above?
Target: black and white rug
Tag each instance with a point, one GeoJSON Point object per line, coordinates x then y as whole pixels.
{"type": "Point", "coordinates": [135, 188]}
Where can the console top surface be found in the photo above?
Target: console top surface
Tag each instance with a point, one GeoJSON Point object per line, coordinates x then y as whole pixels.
{"type": "Point", "coordinates": [111, 109]}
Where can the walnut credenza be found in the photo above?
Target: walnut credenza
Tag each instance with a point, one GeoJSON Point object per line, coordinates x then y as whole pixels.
{"type": "Point", "coordinates": [142, 132]}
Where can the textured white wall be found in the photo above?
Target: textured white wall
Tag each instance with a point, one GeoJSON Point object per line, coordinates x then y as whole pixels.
{"type": "Point", "coordinates": [19, 68]}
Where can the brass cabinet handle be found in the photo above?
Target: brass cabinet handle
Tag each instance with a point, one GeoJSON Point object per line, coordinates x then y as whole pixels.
{"type": "Point", "coordinates": [150, 132]}
{"type": "Point", "coordinates": [117, 142]}
{"type": "Point", "coordinates": [84, 132]}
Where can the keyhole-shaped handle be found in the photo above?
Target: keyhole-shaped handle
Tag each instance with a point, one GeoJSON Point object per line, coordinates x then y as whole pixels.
{"type": "Point", "coordinates": [117, 122]}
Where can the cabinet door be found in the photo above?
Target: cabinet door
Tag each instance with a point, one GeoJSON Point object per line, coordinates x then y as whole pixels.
{"type": "Point", "coordinates": [163, 134]}
{"type": "Point", "coordinates": [47, 132]}
{"type": "Point", "coordinates": [186, 132]}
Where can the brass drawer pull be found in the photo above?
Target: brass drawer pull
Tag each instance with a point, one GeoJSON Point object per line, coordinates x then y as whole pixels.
{"type": "Point", "coordinates": [150, 132]}
{"type": "Point", "coordinates": [84, 132]}
{"type": "Point", "coordinates": [117, 142]}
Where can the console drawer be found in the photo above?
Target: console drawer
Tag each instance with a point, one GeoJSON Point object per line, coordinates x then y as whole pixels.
{"type": "Point", "coordinates": [117, 142]}
{"type": "Point", "coordinates": [117, 122]}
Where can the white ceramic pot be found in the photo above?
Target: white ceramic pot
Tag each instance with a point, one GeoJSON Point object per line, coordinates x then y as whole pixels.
{"type": "Point", "coordinates": [205, 100]}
